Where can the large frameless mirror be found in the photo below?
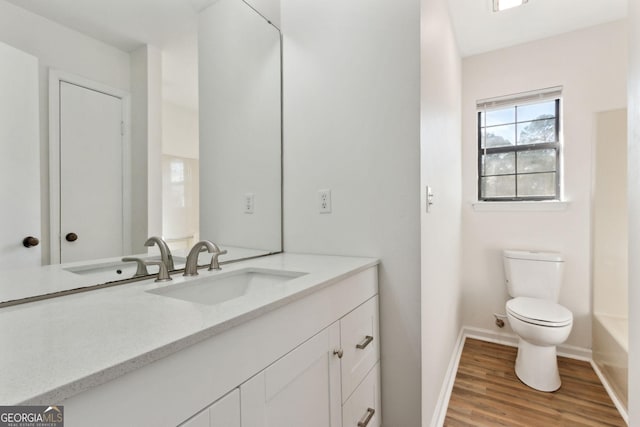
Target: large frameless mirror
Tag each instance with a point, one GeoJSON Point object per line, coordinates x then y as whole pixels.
{"type": "Point", "coordinates": [149, 120]}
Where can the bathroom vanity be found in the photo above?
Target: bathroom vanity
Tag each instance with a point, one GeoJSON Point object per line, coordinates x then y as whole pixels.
{"type": "Point", "coordinates": [282, 340]}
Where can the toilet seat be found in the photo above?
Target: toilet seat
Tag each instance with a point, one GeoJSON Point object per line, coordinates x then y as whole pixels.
{"type": "Point", "coordinates": [539, 312]}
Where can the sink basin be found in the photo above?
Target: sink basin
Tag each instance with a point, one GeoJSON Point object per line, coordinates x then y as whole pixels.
{"type": "Point", "coordinates": [118, 267]}
{"type": "Point", "coordinates": [227, 286]}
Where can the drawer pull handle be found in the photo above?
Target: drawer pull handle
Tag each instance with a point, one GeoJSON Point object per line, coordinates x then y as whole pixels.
{"type": "Point", "coordinates": [367, 417]}
{"type": "Point", "coordinates": [365, 343]}
{"type": "Point", "coordinates": [338, 353]}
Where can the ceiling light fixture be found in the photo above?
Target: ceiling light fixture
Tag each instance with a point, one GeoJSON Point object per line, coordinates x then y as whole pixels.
{"type": "Point", "coordinates": [500, 5]}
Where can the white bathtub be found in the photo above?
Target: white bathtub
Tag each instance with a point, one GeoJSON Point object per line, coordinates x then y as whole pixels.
{"type": "Point", "coordinates": [610, 352]}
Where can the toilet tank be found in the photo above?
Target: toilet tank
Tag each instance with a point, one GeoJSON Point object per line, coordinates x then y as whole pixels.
{"type": "Point", "coordinates": [533, 274]}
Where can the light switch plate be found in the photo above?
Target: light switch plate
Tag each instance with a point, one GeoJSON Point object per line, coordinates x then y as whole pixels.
{"type": "Point", "coordinates": [428, 198]}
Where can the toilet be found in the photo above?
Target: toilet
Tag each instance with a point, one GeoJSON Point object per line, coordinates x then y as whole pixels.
{"type": "Point", "coordinates": [533, 280]}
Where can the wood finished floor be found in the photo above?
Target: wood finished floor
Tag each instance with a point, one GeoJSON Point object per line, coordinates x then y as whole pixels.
{"type": "Point", "coordinates": [487, 392]}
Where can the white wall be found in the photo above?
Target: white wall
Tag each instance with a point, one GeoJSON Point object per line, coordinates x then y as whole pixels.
{"type": "Point", "coordinates": [146, 145]}
{"type": "Point", "coordinates": [240, 127]}
{"type": "Point", "coordinates": [634, 211]}
{"type": "Point", "coordinates": [270, 9]}
{"type": "Point", "coordinates": [60, 48]}
{"type": "Point", "coordinates": [179, 130]}
{"type": "Point", "coordinates": [351, 124]}
{"type": "Point", "coordinates": [591, 66]}
{"type": "Point", "coordinates": [441, 169]}
{"type": "Point", "coordinates": [154, 140]}
{"type": "Point", "coordinates": [610, 221]}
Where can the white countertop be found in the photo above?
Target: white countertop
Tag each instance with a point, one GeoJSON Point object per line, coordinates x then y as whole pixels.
{"type": "Point", "coordinates": [53, 349]}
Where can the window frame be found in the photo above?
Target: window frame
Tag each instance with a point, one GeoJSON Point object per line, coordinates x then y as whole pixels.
{"type": "Point", "coordinates": [557, 146]}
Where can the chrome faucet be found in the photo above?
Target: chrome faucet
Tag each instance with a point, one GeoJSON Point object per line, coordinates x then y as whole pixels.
{"type": "Point", "coordinates": [165, 252]}
{"type": "Point", "coordinates": [191, 266]}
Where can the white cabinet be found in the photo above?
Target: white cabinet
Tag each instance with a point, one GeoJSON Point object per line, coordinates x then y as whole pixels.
{"type": "Point", "coordinates": [309, 385]}
{"type": "Point", "coordinates": [300, 389]}
{"type": "Point", "coordinates": [225, 412]}
{"type": "Point", "coordinates": [282, 368]}
{"type": "Point", "coordinates": [360, 366]}
{"type": "Point", "coordinates": [363, 407]}
{"type": "Point", "coordinates": [200, 420]}
{"type": "Point", "coordinates": [19, 158]}
{"type": "Point", "coordinates": [360, 342]}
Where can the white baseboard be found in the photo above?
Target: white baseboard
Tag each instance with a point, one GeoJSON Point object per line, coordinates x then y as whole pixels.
{"type": "Point", "coordinates": [504, 338]}
{"type": "Point", "coordinates": [511, 339]}
{"type": "Point", "coordinates": [440, 411]}
{"type": "Point", "coordinates": [614, 397]}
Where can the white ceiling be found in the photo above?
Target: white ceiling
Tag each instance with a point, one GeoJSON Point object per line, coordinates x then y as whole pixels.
{"type": "Point", "coordinates": [125, 24]}
{"type": "Point", "coordinates": [170, 25]}
{"type": "Point", "coordinates": [478, 29]}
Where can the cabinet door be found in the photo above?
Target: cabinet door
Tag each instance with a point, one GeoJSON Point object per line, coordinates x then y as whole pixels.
{"type": "Point", "coordinates": [300, 389]}
{"type": "Point", "coordinates": [225, 412]}
{"type": "Point", "coordinates": [200, 420]}
{"type": "Point", "coordinates": [361, 345]}
{"type": "Point", "coordinates": [19, 158]}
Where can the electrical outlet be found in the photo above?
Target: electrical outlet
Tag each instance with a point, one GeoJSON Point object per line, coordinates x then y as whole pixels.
{"type": "Point", "coordinates": [324, 201]}
{"type": "Point", "coordinates": [248, 203]}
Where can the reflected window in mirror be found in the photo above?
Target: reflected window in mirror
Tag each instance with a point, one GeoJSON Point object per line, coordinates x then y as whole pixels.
{"type": "Point", "coordinates": [180, 225]}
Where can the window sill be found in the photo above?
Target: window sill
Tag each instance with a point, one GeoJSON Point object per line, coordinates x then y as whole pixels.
{"type": "Point", "coordinates": [524, 206]}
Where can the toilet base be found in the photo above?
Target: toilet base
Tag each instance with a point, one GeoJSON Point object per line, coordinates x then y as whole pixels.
{"type": "Point", "coordinates": [537, 366]}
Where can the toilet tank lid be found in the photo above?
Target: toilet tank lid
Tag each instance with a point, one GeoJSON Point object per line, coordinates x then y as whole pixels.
{"type": "Point", "coordinates": [533, 255]}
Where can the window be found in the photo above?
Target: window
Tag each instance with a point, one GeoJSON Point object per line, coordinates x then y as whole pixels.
{"type": "Point", "coordinates": [519, 147]}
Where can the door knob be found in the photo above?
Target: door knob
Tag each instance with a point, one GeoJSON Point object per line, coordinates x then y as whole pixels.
{"type": "Point", "coordinates": [338, 353]}
{"type": "Point", "coordinates": [30, 242]}
{"type": "Point", "coordinates": [71, 237]}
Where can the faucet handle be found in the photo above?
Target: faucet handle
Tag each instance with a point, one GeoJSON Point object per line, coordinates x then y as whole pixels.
{"type": "Point", "coordinates": [191, 266]}
{"type": "Point", "coordinates": [142, 267]}
{"type": "Point", "coordinates": [163, 273]}
{"type": "Point", "coordinates": [215, 264]}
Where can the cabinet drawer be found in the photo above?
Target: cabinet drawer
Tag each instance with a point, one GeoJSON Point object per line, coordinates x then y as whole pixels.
{"type": "Point", "coordinates": [362, 409]}
{"type": "Point", "coordinates": [360, 342]}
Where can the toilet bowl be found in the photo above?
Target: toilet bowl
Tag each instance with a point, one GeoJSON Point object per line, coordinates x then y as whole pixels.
{"type": "Point", "coordinates": [541, 325]}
